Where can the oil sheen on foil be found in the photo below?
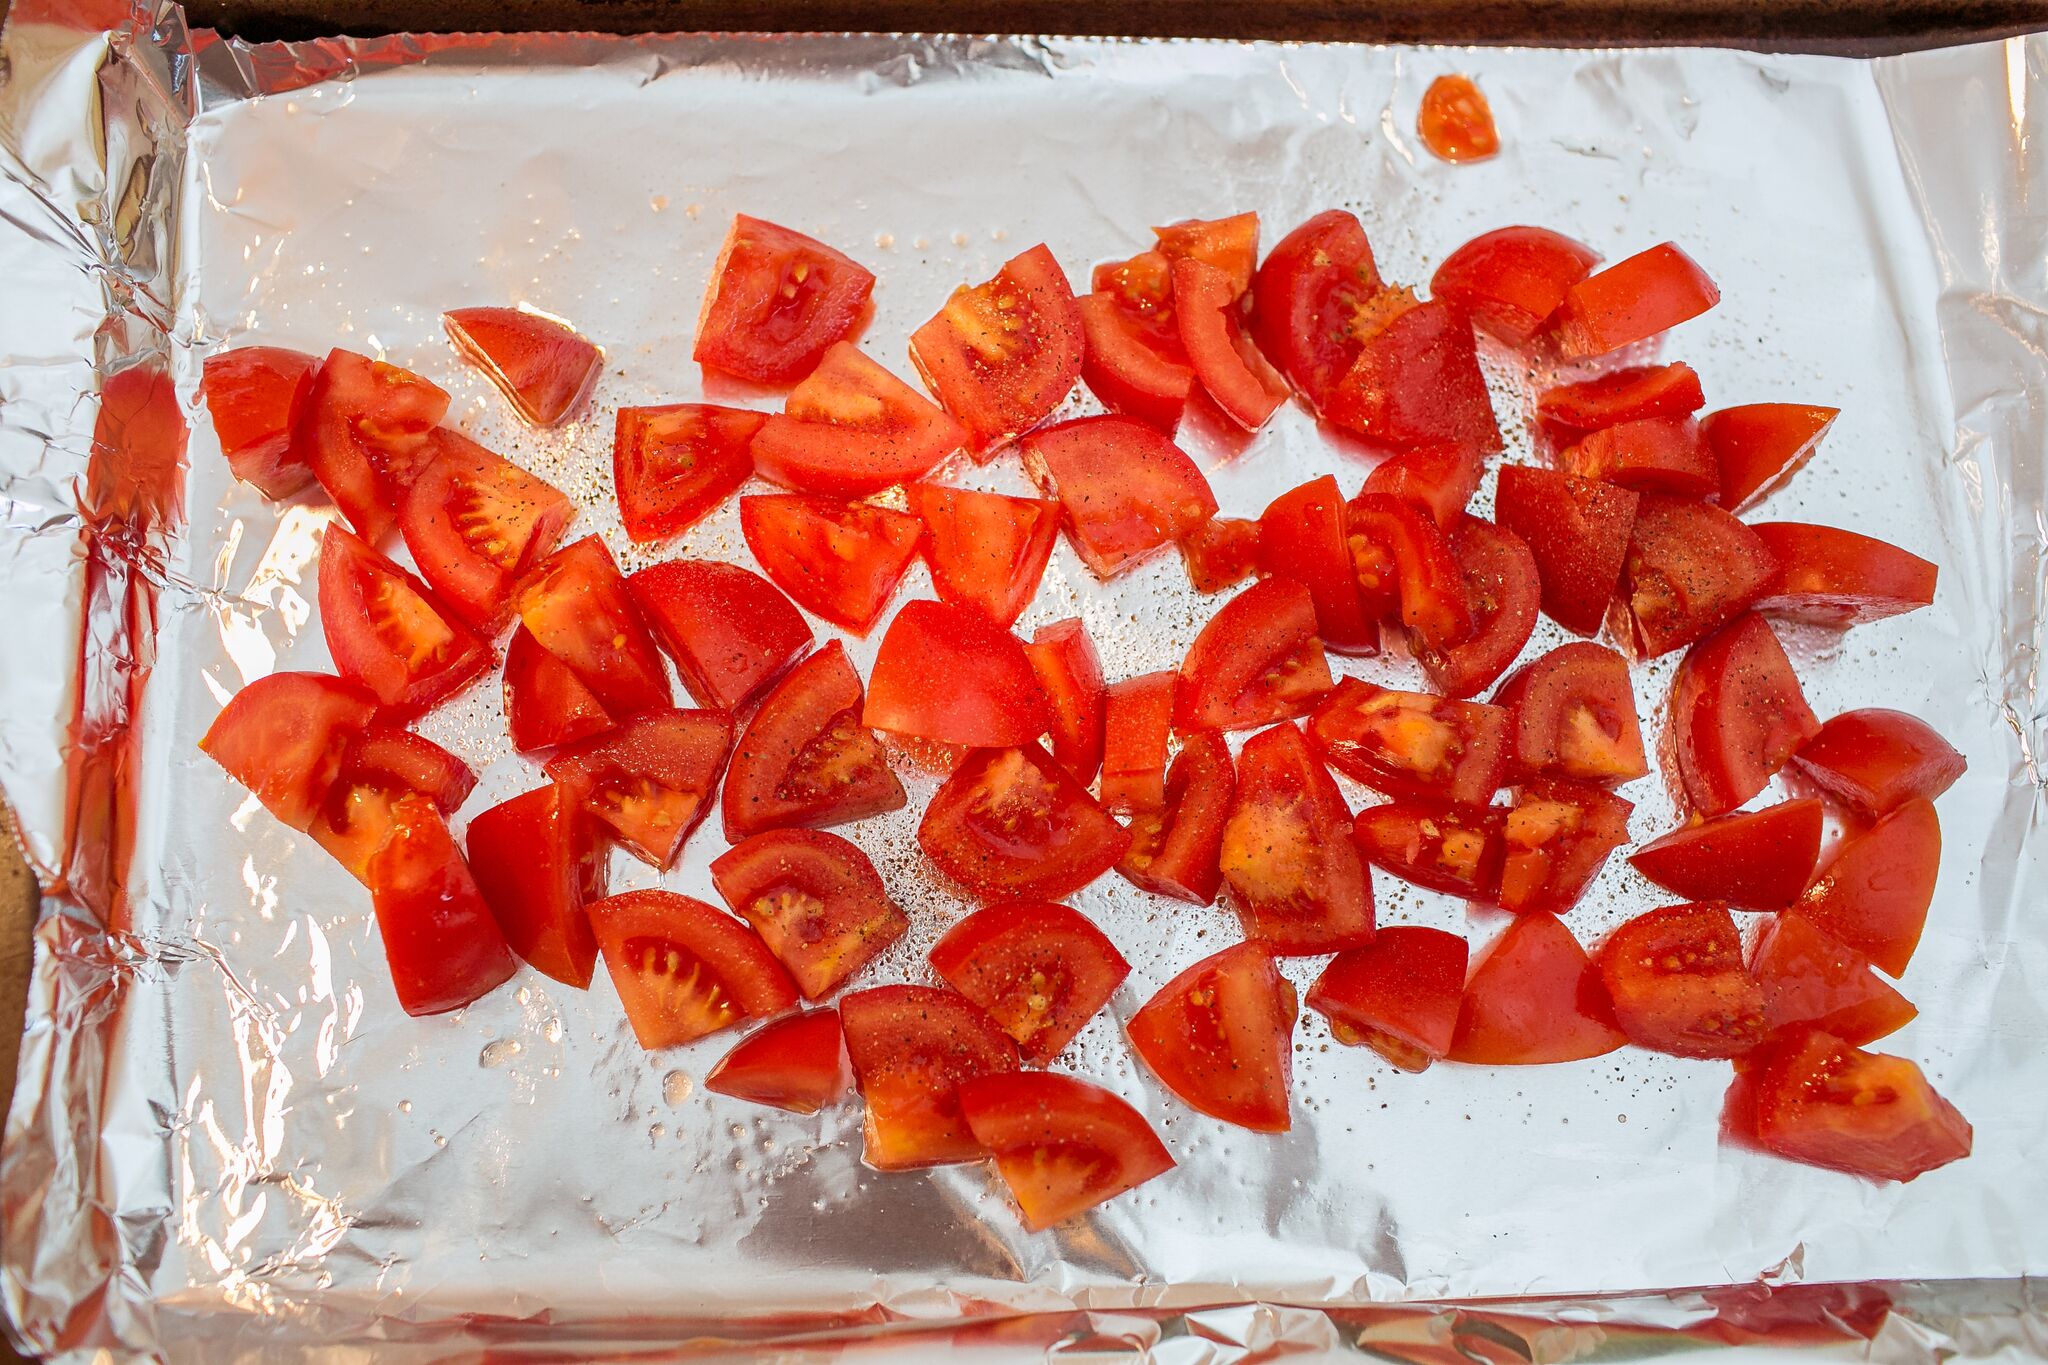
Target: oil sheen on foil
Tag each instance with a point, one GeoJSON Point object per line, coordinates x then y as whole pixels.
{"type": "Point", "coordinates": [229, 1144]}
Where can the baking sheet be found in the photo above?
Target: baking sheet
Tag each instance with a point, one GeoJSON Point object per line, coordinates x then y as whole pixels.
{"type": "Point", "coordinates": [229, 1143]}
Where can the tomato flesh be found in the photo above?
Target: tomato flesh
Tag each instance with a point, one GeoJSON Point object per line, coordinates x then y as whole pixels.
{"type": "Point", "coordinates": [1830, 577]}
{"type": "Point", "coordinates": [1577, 530]}
{"type": "Point", "coordinates": [1667, 391]}
{"type": "Point", "coordinates": [1124, 490]}
{"type": "Point", "coordinates": [1398, 995]}
{"type": "Point", "coordinates": [815, 900]}
{"type": "Point", "coordinates": [1231, 245]}
{"type": "Point", "coordinates": [650, 779]}
{"type": "Point", "coordinates": [729, 631]}
{"type": "Point", "coordinates": [545, 702]}
{"type": "Point", "coordinates": [578, 608]}
{"type": "Point", "coordinates": [1440, 479]}
{"type": "Point", "coordinates": [1225, 360]}
{"type": "Point", "coordinates": [394, 759]}
{"type": "Point", "coordinates": [1738, 714]}
{"type": "Point", "coordinates": [1758, 446]}
{"type": "Point", "coordinates": [805, 759]}
{"type": "Point", "coordinates": [1555, 839]}
{"type": "Point", "coordinates": [1877, 760]}
{"type": "Point", "coordinates": [1304, 535]}
{"type": "Point", "coordinates": [1573, 714]}
{"type": "Point", "coordinates": [1416, 382]}
{"type": "Point", "coordinates": [475, 522]}
{"type": "Point", "coordinates": [948, 674]}
{"type": "Point", "coordinates": [1650, 455]}
{"type": "Point", "coordinates": [1309, 299]}
{"type": "Point", "coordinates": [285, 736]}
{"type": "Point", "coordinates": [1002, 355]}
{"type": "Point", "coordinates": [1041, 971]}
{"type": "Point", "coordinates": [1632, 300]}
{"type": "Point", "coordinates": [1298, 884]}
{"type": "Point", "coordinates": [1012, 824]}
{"type": "Point", "coordinates": [1501, 594]}
{"type": "Point", "coordinates": [1754, 860]}
{"type": "Point", "coordinates": [798, 1063]}
{"type": "Point", "coordinates": [1061, 1145]}
{"type": "Point", "coordinates": [1455, 121]}
{"type": "Point", "coordinates": [777, 301]}
{"type": "Point", "coordinates": [1221, 553]}
{"type": "Point", "coordinates": [673, 465]}
{"type": "Point", "coordinates": [1512, 279]}
{"type": "Point", "coordinates": [1823, 1102]}
{"type": "Point", "coordinates": [1690, 569]}
{"type": "Point", "coordinates": [1070, 675]}
{"type": "Point", "coordinates": [1137, 721]}
{"type": "Point", "coordinates": [538, 862]}
{"type": "Point", "coordinates": [684, 969]}
{"type": "Point", "coordinates": [851, 428]}
{"type": "Point", "coordinates": [985, 550]}
{"type": "Point", "coordinates": [543, 367]}
{"type": "Point", "coordinates": [912, 1049]}
{"type": "Point", "coordinates": [1874, 893]}
{"type": "Point", "coordinates": [840, 560]}
{"type": "Point", "coordinates": [1133, 360]}
{"type": "Point", "coordinates": [1678, 984]}
{"type": "Point", "coordinates": [1177, 845]}
{"type": "Point", "coordinates": [254, 395]}
{"type": "Point", "coordinates": [1259, 660]}
{"type": "Point", "coordinates": [1811, 978]}
{"type": "Point", "coordinates": [1412, 743]}
{"type": "Point", "coordinates": [1455, 849]}
{"type": "Point", "coordinates": [389, 631]}
{"type": "Point", "coordinates": [1397, 544]}
{"type": "Point", "coordinates": [1534, 999]}
{"type": "Point", "coordinates": [362, 430]}
{"type": "Point", "coordinates": [1220, 1037]}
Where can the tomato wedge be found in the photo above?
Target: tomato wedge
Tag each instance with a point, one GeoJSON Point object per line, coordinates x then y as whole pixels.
{"type": "Point", "coordinates": [1002, 355]}
{"type": "Point", "coordinates": [1830, 577]}
{"type": "Point", "coordinates": [729, 631]}
{"type": "Point", "coordinates": [1220, 1037]}
{"type": "Point", "coordinates": [1299, 886]}
{"type": "Point", "coordinates": [1304, 535]}
{"type": "Point", "coordinates": [1811, 978]}
{"type": "Point", "coordinates": [1690, 569]}
{"type": "Point", "coordinates": [1124, 490]}
{"type": "Point", "coordinates": [852, 429]}
{"type": "Point", "coordinates": [284, 737]}
{"type": "Point", "coordinates": [254, 395]}
{"type": "Point", "coordinates": [684, 969]}
{"type": "Point", "coordinates": [673, 465]}
{"type": "Point", "coordinates": [986, 551]}
{"type": "Point", "coordinates": [1071, 677]}
{"type": "Point", "coordinates": [1577, 530]}
{"type": "Point", "coordinates": [1137, 721]}
{"type": "Point", "coordinates": [538, 861]}
{"type": "Point", "coordinates": [1230, 244]}
{"type": "Point", "coordinates": [947, 673]}
{"type": "Point", "coordinates": [545, 703]}
{"type": "Point", "coordinates": [399, 760]}
{"type": "Point", "coordinates": [1534, 999]}
{"type": "Point", "coordinates": [1011, 824]}
{"type": "Point", "coordinates": [1041, 971]}
{"type": "Point", "coordinates": [777, 301]}
{"type": "Point", "coordinates": [1678, 985]}
{"type": "Point", "coordinates": [1877, 760]}
{"type": "Point", "coordinates": [912, 1048]}
{"type": "Point", "coordinates": [805, 760]}
{"type": "Point", "coordinates": [1177, 846]}
{"type": "Point", "coordinates": [1411, 743]}
{"type": "Point", "coordinates": [1258, 660]}
{"type": "Point", "coordinates": [1738, 715]}
{"type": "Point", "coordinates": [541, 365]}
{"type": "Point", "coordinates": [1227, 364]}
{"type": "Point", "coordinates": [650, 779]}
{"type": "Point", "coordinates": [1557, 837]}
{"type": "Point", "coordinates": [797, 1063]}
{"type": "Point", "coordinates": [1632, 300]}
{"type": "Point", "coordinates": [362, 430]}
{"type": "Point", "coordinates": [840, 560]}
{"type": "Point", "coordinates": [1574, 715]}
{"type": "Point", "coordinates": [475, 521]}
{"type": "Point", "coordinates": [1823, 1102]}
{"type": "Point", "coordinates": [1667, 391]}
{"type": "Point", "coordinates": [1754, 860]}
{"type": "Point", "coordinates": [1221, 553]}
{"type": "Point", "coordinates": [388, 631]}
{"type": "Point", "coordinates": [1398, 545]}
{"type": "Point", "coordinates": [1416, 381]}
{"type": "Point", "coordinates": [1455, 849]}
{"type": "Point", "coordinates": [577, 607]}
{"type": "Point", "coordinates": [1874, 893]}
{"type": "Point", "coordinates": [1513, 278]}
{"type": "Point", "coordinates": [1062, 1146]}
{"type": "Point", "coordinates": [1440, 479]}
{"type": "Point", "coordinates": [1309, 299]}
{"type": "Point", "coordinates": [1456, 122]}
{"type": "Point", "coordinates": [815, 900]}
{"type": "Point", "coordinates": [1132, 357]}
{"type": "Point", "coordinates": [1650, 455]}
{"type": "Point", "coordinates": [1398, 995]}
{"type": "Point", "coordinates": [1758, 446]}
{"type": "Point", "coordinates": [1500, 593]}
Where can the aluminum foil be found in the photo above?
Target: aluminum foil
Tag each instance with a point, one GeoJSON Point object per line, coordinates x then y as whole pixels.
{"type": "Point", "coordinates": [228, 1143]}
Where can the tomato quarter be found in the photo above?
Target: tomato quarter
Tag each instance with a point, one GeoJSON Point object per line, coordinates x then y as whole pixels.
{"type": "Point", "coordinates": [399, 760]}
{"type": "Point", "coordinates": [1754, 860]}
{"type": "Point", "coordinates": [1220, 1037]}
{"type": "Point", "coordinates": [1411, 743]}
{"type": "Point", "coordinates": [1002, 355]}
{"type": "Point", "coordinates": [1440, 479]}
{"type": "Point", "coordinates": [1512, 279]}
{"type": "Point", "coordinates": [649, 780]}
{"type": "Point", "coordinates": [1299, 886]}
{"type": "Point", "coordinates": [798, 1063]}
{"type": "Point", "coordinates": [777, 300]}
{"type": "Point", "coordinates": [362, 430]}
{"type": "Point", "coordinates": [545, 702]}
{"type": "Point", "coordinates": [1221, 553]}
{"type": "Point", "coordinates": [1647, 391]}
{"type": "Point", "coordinates": [388, 631]}
{"type": "Point", "coordinates": [947, 673]}
{"type": "Point", "coordinates": [985, 550]}
{"type": "Point", "coordinates": [284, 737]}
{"type": "Point", "coordinates": [1738, 714]}
{"type": "Point", "coordinates": [729, 631]}
{"type": "Point", "coordinates": [1874, 893]}
{"type": "Point", "coordinates": [1071, 677]}
{"type": "Point", "coordinates": [1455, 849]}
{"type": "Point", "coordinates": [684, 969]}
{"type": "Point", "coordinates": [542, 366]}
{"type": "Point", "coordinates": [1124, 490]}
{"type": "Point", "coordinates": [1398, 995]}
{"type": "Point", "coordinates": [1760, 445]}
{"type": "Point", "coordinates": [1577, 530]}
{"type": "Point", "coordinates": [1810, 978]}
{"type": "Point", "coordinates": [1309, 299]}
{"type": "Point", "coordinates": [1416, 382]}
{"type": "Point", "coordinates": [1133, 360]}
{"type": "Point", "coordinates": [1062, 1146]}
{"type": "Point", "coordinates": [815, 900]}
{"type": "Point", "coordinates": [1304, 535]}
{"type": "Point", "coordinates": [1830, 577]}
{"type": "Point", "coordinates": [1650, 455]}
{"type": "Point", "coordinates": [1042, 971]}
{"type": "Point", "coordinates": [673, 465]}
{"type": "Point", "coordinates": [1690, 569]}
{"type": "Point", "coordinates": [538, 861]}
{"type": "Point", "coordinates": [1501, 594]}
{"type": "Point", "coordinates": [1678, 984]}
{"type": "Point", "coordinates": [577, 607]}
{"type": "Point", "coordinates": [254, 395]}
{"type": "Point", "coordinates": [912, 1048]}
{"type": "Point", "coordinates": [1011, 824]}
{"type": "Point", "coordinates": [475, 522]}
{"type": "Point", "coordinates": [1534, 999]}
{"type": "Point", "coordinates": [851, 428]}
{"type": "Point", "coordinates": [805, 759]}
{"type": "Point", "coordinates": [841, 560]}
{"type": "Point", "coordinates": [1397, 544]}
{"type": "Point", "coordinates": [1177, 846]}
{"type": "Point", "coordinates": [1226, 363]}
{"type": "Point", "coordinates": [1574, 715]}
{"type": "Point", "coordinates": [1877, 760]}
{"type": "Point", "coordinates": [1632, 300]}
{"type": "Point", "coordinates": [1258, 660]}
{"type": "Point", "coordinates": [1823, 1102]}
{"type": "Point", "coordinates": [1556, 838]}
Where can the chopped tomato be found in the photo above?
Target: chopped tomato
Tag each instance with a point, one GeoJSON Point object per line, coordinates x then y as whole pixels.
{"type": "Point", "coordinates": [362, 430]}
{"type": "Point", "coordinates": [1633, 395]}
{"type": "Point", "coordinates": [1455, 849]}
{"type": "Point", "coordinates": [1632, 300]}
{"type": "Point", "coordinates": [545, 703]}
{"type": "Point", "coordinates": [1823, 1102]}
{"type": "Point", "coordinates": [729, 631]}
{"type": "Point", "coordinates": [947, 673]}
{"type": "Point", "coordinates": [1513, 278]}
{"type": "Point", "coordinates": [1753, 860]}
{"type": "Point", "coordinates": [1398, 995]}
{"type": "Point", "coordinates": [1002, 355]}
{"type": "Point", "coordinates": [1810, 978]}
{"type": "Point", "coordinates": [1309, 300]}
{"type": "Point", "coordinates": [538, 861]}
{"type": "Point", "coordinates": [1440, 479]}
{"type": "Point", "coordinates": [1041, 971]}
{"type": "Point", "coordinates": [1690, 569]}
{"type": "Point", "coordinates": [1133, 360]}
{"type": "Point", "coordinates": [841, 560]}
{"type": "Point", "coordinates": [777, 300]}
{"type": "Point", "coordinates": [1738, 714]}
{"type": "Point", "coordinates": [1177, 846]}
{"type": "Point", "coordinates": [394, 759]}
{"type": "Point", "coordinates": [1574, 715]}
{"type": "Point", "coordinates": [912, 1048]}
{"type": "Point", "coordinates": [1124, 489]}
{"type": "Point", "coordinates": [1830, 577]}
{"type": "Point", "coordinates": [1221, 553]}
{"type": "Point", "coordinates": [1874, 893]}
{"type": "Point", "coordinates": [1071, 677]}
{"type": "Point", "coordinates": [1011, 824]}
{"type": "Point", "coordinates": [985, 550]}
{"type": "Point", "coordinates": [1500, 593]}
{"type": "Point", "coordinates": [1416, 381]}
{"type": "Point", "coordinates": [851, 428]}
{"type": "Point", "coordinates": [388, 631]}
{"type": "Point", "coordinates": [542, 366]}
{"type": "Point", "coordinates": [1556, 838]}
{"type": "Point", "coordinates": [1534, 999]}
{"type": "Point", "coordinates": [1304, 535]}
{"type": "Point", "coordinates": [797, 1063]}
{"type": "Point", "coordinates": [1877, 760]}
{"type": "Point", "coordinates": [1137, 721]}
{"type": "Point", "coordinates": [578, 609]}
{"type": "Point", "coordinates": [1230, 244]}
{"type": "Point", "coordinates": [1577, 530]}
{"type": "Point", "coordinates": [1299, 885]}
{"type": "Point", "coordinates": [1258, 660]}
{"type": "Point", "coordinates": [475, 522]}
{"type": "Point", "coordinates": [254, 394]}
{"type": "Point", "coordinates": [1456, 122]}
{"type": "Point", "coordinates": [284, 738]}
{"type": "Point", "coordinates": [673, 465]}
{"type": "Point", "coordinates": [1411, 743]}
{"type": "Point", "coordinates": [805, 759]}
{"type": "Point", "coordinates": [1427, 578]}
{"type": "Point", "coordinates": [815, 900]}
{"type": "Point", "coordinates": [1650, 455]}
{"type": "Point", "coordinates": [1220, 1037]}
{"type": "Point", "coordinates": [1678, 984]}
{"type": "Point", "coordinates": [1228, 365]}
{"type": "Point", "coordinates": [1758, 446]}
{"type": "Point", "coordinates": [1061, 1145]}
{"type": "Point", "coordinates": [684, 969]}
{"type": "Point", "coordinates": [650, 779]}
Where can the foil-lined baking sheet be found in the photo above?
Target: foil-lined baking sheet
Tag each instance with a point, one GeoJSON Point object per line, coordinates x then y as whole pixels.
{"type": "Point", "coordinates": [228, 1143]}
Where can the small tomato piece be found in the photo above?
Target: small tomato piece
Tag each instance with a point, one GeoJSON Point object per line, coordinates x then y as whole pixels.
{"type": "Point", "coordinates": [1823, 1102]}
{"type": "Point", "coordinates": [545, 702]}
{"type": "Point", "coordinates": [1398, 995]}
{"type": "Point", "coordinates": [1040, 970]}
{"type": "Point", "coordinates": [1456, 122]}
{"type": "Point", "coordinates": [649, 779]}
{"type": "Point", "coordinates": [1650, 455]}
{"type": "Point", "coordinates": [1124, 490]}
{"type": "Point", "coordinates": [1440, 479]}
{"type": "Point", "coordinates": [1259, 660]}
{"type": "Point", "coordinates": [1534, 999]}
{"type": "Point", "coordinates": [1310, 302]}
{"type": "Point", "coordinates": [542, 366]}
{"type": "Point", "coordinates": [1631, 395]}
{"type": "Point", "coordinates": [1416, 382]}
{"type": "Point", "coordinates": [1137, 721]}
{"type": "Point", "coordinates": [1632, 300]}
{"type": "Point", "coordinates": [1220, 1037]}
{"type": "Point", "coordinates": [1738, 714]}
{"type": "Point", "coordinates": [1753, 860]}
{"type": "Point", "coordinates": [815, 900]}
{"type": "Point", "coordinates": [362, 430]}
{"type": "Point", "coordinates": [985, 550]}
{"type": "Point", "coordinates": [1501, 594]}
{"type": "Point", "coordinates": [1070, 675]}
{"type": "Point", "coordinates": [577, 607]}
{"type": "Point", "coordinates": [1226, 362]}
{"type": "Point", "coordinates": [389, 631]}
{"type": "Point", "coordinates": [948, 674]}
{"type": "Point", "coordinates": [1690, 569]}
{"type": "Point", "coordinates": [254, 395]}
{"type": "Point", "coordinates": [285, 736]}
{"type": "Point", "coordinates": [1298, 885]}
{"type": "Point", "coordinates": [1221, 553]}
{"type": "Point", "coordinates": [1555, 839]}
{"type": "Point", "coordinates": [538, 862]}
{"type": "Point", "coordinates": [1177, 846]}
{"type": "Point", "coordinates": [1877, 760]}
{"type": "Point", "coordinates": [475, 522]}
{"type": "Point", "coordinates": [1811, 978]}
{"type": "Point", "coordinates": [851, 428]}
{"type": "Point", "coordinates": [840, 560]}
{"type": "Point", "coordinates": [1455, 849]}
{"type": "Point", "coordinates": [805, 759]}
{"type": "Point", "coordinates": [399, 760]}
{"type": "Point", "coordinates": [798, 1064]}
{"type": "Point", "coordinates": [684, 969]}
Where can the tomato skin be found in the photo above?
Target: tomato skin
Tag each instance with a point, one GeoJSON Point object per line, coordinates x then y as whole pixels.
{"type": "Point", "coordinates": [578, 608]}
{"type": "Point", "coordinates": [1416, 382]}
{"type": "Point", "coordinates": [1124, 490]}
{"type": "Point", "coordinates": [1011, 824]}
{"type": "Point", "coordinates": [1041, 971]}
{"type": "Point", "coordinates": [545, 702]}
{"type": "Point", "coordinates": [797, 1063]}
{"type": "Point", "coordinates": [1809, 977]}
{"type": "Point", "coordinates": [1298, 885]}
{"type": "Point", "coordinates": [1177, 846]}
{"type": "Point", "coordinates": [947, 673]}
{"type": "Point", "coordinates": [805, 759]}
{"type": "Point", "coordinates": [777, 300]}
{"type": "Point", "coordinates": [730, 632]}
{"type": "Point", "coordinates": [1753, 860]}
{"type": "Point", "coordinates": [1823, 1102]}
{"type": "Point", "coordinates": [840, 560]}
{"type": "Point", "coordinates": [1512, 279]}
{"type": "Point", "coordinates": [674, 464]}
{"type": "Point", "coordinates": [648, 779]}
{"type": "Point", "coordinates": [1452, 848]}
{"type": "Point", "coordinates": [1304, 535]}
{"type": "Point", "coordinates": [1633, 299]}
{"type": "Point", "coordinates": [254, 394]}
{"type": "Point", "coordinates": [1307, 299]}
{"type": "Point", "coordinates": [1650, 455]}
{"type": "Point", "coordinates": [1690, 569]}
{"type": "Point", "coordinates": [1427, 577]}
{"type": "Point", "coordinates": [1738, 715]}
{"type": "Point", "coordinates": [1061, 1145]}
{"type": "Point", "coordinates": [538, 861]}
{"type": "Point", "coordinates": [1002, 355]}
{"type": "Point", "coordinates": [1398, 995]}
{"type": "Point", "coordinates": [912, 1048]}
{"type": "Point", "coordinates": [1578, 532]}
{"type": "Point", "coordinates": [1556, 838]}
{"type": "Point", "coordinates": [1874, 893]}
{"type": "Point", "coordinates": [388, 631]}
{"type": "Point", "coordinates": [1877, 760]}
{"type": "Point", "coordinates": [443, 947]}
{"type": "Point", "coordinates": [815, 900]}
{"type": "Point", "coordinates": [1063, 658]}
{"type": "Point", "coordinates": [1830, 577]}
{"type": "Point", "coordinates": [1412, 743]}
{"type": "Point", "coordinates": [1456, 122]}
{"type": "Point", "coordinates": [399, 760]}
{"type": "Point", "coordinates": [985, 550]}
{"type": "Point", "coordinates": [1219, 1036]}
{"type": "Point", "coordinates": [543, 367]}
{"type": "Point", "coordinates": [1231, 245]}
{"type": "Point", "coordinates": [685, 969]}
{"type": "Point", "coordinates": [362, 430]}
{"type": "Point", "coordinates": [1130, 365]}
{"type": "Point", "coordinates": [285, 736]}
{"type": "Point", "coordinates": [1226, 362]}
{"type": "Point", "coordinates": [1758, 446]}
{"type": "Point", "coordinates": [1501, 595]}
{"type": "Point", "coordinates": [475, 522]}
{"type": "Point", "coordinates": [1678, 984]}
{"type": "Point", "coordinates": [1440, 479]}
{"type": "Point", "coordinates": [1534, 999]}
{"type": "Point", "coordinates": [1668, 391]}
{"type": "Point", "coordinates": [1221, 553]}
{"type": "Point", "coordinates": [1137, 721]}
{"type": "Point", "coordinates": [1574, 715]}
{"type": "Point", "coordinates": [851, 428]}
{"type": "Point", "coordinates": [1258, 660]}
